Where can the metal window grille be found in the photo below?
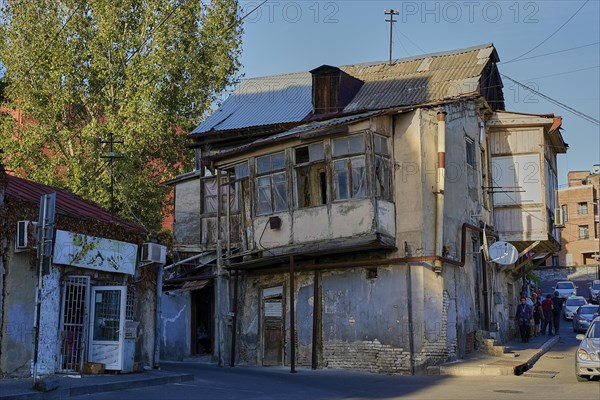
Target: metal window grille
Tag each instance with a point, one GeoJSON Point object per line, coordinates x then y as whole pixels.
{"type": "Point", "coordinates": [74, 322]}
{"type": "Point", "coordinates": [130, 305]}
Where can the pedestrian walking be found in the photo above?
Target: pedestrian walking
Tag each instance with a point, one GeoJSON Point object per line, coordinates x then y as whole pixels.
{"type": "Point", "coordinates": [557, 306]}
{"type": "Point", "coordinates": [537, 314]}
{"type": "Point", "coordinates": [523, 319]}
{"type": "Point", "coordinates": [548, 315]}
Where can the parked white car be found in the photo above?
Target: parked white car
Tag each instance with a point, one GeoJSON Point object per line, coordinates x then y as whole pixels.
{"type": "Point", "coordinates": [572, 304]}
{"type": "Point", "coordinates": [565, 289]}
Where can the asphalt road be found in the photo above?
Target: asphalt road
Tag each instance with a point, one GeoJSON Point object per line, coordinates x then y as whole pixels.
{"type": "Point", "coordinates": [551, 378]}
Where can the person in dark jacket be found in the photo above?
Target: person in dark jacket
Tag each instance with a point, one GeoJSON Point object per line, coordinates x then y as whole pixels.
{"type": "Point", "coordinates": [523, 318]}
{"type": "Point", "coordinates": [557, 306]}
{"type": "Point", "coordinates": [538, 316]}
{"type": "Point", "coordinates": [548, 315]}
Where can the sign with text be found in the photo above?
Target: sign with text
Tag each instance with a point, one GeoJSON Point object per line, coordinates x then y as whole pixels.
{"type": "Point", "coordinates": [94, 253]}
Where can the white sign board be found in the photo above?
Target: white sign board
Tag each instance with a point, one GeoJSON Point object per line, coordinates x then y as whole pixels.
{"type": "Point", "coordinates": [94, 253]}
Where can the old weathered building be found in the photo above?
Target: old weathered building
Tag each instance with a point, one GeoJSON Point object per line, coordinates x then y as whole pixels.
{"type": "Point", "coordinates": [339, 218]}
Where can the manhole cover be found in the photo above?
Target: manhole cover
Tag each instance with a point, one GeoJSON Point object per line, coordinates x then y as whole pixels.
{"type": "Point", "coordinates": [508, 391]}
{"type": "Point", "coordinates": [541, 374]}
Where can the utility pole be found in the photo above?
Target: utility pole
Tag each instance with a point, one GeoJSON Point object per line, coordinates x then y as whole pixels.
{"type": "Point", "coordinates": [111, 157]}
{"type": "Point", "coordinates": [391, 13]}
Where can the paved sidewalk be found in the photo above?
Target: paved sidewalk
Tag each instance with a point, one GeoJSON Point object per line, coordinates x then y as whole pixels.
{"type": "Point", "coordinates": [518, 357]}
{"type": "Point", "coordinates": [76, 385]}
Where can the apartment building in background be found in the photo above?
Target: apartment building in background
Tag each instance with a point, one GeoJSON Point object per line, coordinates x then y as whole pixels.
{"type": "Point", "coordinates": [580, 244]}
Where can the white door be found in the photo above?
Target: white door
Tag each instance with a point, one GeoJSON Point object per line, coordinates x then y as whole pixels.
{"type": "Point", "coordinates": [106, 326]}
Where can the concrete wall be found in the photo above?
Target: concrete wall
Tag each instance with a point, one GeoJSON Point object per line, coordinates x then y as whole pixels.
{"type": "Point", "coordinates": [49, 342]}
{"type": "Point", "coordinates": [580, 273]}
{"type": "Point", "coordinates": [176, 321]}
{"type": "Point", "coordinates": [18, 312]}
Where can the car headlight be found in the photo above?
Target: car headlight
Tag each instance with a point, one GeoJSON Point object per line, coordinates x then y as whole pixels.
{"type": "Point", "coordinates": [582, 354]}
{"type": "Point", "coordinates": [593, 356]}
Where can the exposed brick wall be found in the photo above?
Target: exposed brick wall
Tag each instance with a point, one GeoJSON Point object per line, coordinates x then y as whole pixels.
{"type": "Point", "coordinates": [371, 356]}
{"type": "Point", "coordinates": [436, 352]}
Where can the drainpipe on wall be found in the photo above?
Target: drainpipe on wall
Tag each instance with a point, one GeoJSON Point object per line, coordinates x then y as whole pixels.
{"type": "Point", "coordinates": [157, 318]}
{"type": "Point", "coordinates": [441, 171]}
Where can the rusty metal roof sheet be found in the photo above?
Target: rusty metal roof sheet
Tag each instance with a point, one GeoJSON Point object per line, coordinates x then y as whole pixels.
{"type": "Point", "coordinates": [67, 203]}
{"type": "Point", "coordinates": [428, 78]}
{"type": "Point", "coordinates": [263, 101]}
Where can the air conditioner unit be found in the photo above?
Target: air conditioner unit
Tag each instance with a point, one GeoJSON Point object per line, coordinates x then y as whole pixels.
{"type": "Point", "coordinates": [152, 252]}
{"type": "Point", "coordinates": [21, 241]}
{"type": "Point", "coordinates": [559, 220]}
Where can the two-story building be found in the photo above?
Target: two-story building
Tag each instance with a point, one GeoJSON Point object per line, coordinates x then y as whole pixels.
{"type": "Point", "coordinates": [340, 218]}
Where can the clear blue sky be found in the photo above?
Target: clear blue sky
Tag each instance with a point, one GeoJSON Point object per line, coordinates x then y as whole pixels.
{"type": "Point", "coordinates": [290, 36]}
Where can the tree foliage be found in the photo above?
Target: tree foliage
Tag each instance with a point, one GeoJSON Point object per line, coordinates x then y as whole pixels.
{"type": "Point", "coordinates": [144, 71]}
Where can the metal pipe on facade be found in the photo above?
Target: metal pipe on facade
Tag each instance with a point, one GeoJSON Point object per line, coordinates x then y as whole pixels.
{"type": "Point", "coordinates": [292, 319]}
{"type": "Point", "coordinates": [411, 331]}
{"type": "Point", "coordinates": [484, 290]}
{"type": "Point", "coordinates": [440, 184]}
{"type": "Point", "coordinates": [158, 315]}
{"type": "Point", "coordinates": [315, 327]}
{"type": "Point", "coordinates": [234, 319]}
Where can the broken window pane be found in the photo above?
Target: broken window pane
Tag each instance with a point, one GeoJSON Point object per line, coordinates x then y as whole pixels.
{"type": "Point", "coordinates": [280, 192]}
{"type": "Point", "coordinates": [301, 154]}
{"type": "Point", "coordinates": [381, 145]}
{"type": "Point", "coordinates": [210, 196]}
{"type": "Point", "coordinates": [316, 152]}
{"type": "Point", "coordinates": [382, 177]}
{"type": "Point", "coordinates": [264, 195]}
{"type": "Point", "coordinates": [359, 179]}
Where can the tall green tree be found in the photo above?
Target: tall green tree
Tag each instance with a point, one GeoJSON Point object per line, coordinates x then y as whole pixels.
{"type": "Point", "coordinates": [143, 71]}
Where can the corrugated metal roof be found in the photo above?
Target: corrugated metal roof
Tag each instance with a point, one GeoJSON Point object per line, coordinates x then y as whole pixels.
{"type": "Point", "coordinates": [263, 101]}
{"type": "Point", "coordinates": [299, 130]}
{"type": "Point", "coordinates": [419, 80]}
{"type": "Point", "coordinates": [67, 203]}
{"type": "Point", "coordinates": [411, 81]}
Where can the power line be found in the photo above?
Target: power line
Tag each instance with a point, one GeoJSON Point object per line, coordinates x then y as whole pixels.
{"type": "Point", "coordinates": [555, 102]}
{"type": "Point", "coordinates": [552, 34]}
{"type": "Point", "coordinates": [549, 54]}
{"type": "Point", "coordinates": [564, 73]}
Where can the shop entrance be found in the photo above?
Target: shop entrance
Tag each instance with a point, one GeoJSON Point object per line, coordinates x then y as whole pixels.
{"type": "Point", "coordinates": [73, 323]}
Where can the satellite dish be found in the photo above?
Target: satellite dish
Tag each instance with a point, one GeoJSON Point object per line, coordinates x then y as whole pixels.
{"type": "Point", "coordinates": [503, 253]}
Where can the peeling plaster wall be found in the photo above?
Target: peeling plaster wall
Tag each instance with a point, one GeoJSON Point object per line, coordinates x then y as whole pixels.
{"type": "Point", "coordinates": [176, 321]}
{"type": "Point", "coordinates": [49, 323]}
{"type": "Point", "coordinates": [18, 311]}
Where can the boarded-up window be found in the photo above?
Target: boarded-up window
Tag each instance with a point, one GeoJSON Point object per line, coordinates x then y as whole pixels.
{"type": "Point", "coordinates": [349, 172]}
{"type": "Point", "coordinates": [271, 184]}
{"type": "Point", "coordinates": [325, 93]}
{"type": "Point", "coordinates": [309, 176]}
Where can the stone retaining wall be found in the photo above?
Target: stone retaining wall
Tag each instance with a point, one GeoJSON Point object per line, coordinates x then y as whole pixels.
{"type": "Point", "coordinates": [579, 273]}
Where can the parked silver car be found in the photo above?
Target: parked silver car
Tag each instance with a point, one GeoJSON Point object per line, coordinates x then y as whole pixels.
{"type": "Point", "coordinates": [571, 305]}
{"type": "Point", "coordinates": [587, 359]}
{"type": "Point", "coordinates": [584, 316]}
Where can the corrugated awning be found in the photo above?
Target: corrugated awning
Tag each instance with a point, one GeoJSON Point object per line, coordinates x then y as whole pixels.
{"type": "Point", "coordinates": [193, 285]}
